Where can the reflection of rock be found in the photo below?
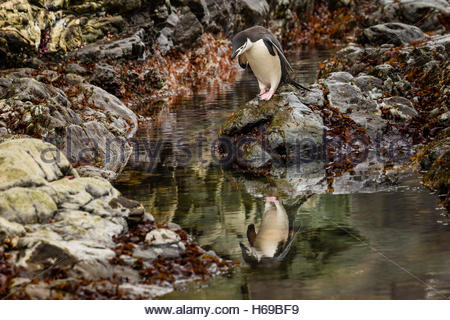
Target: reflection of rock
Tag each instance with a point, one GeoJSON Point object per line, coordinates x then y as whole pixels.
{"type": "Point", "coordinates": [434, 161]}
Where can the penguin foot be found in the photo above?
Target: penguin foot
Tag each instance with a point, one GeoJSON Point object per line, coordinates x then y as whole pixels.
{"type": "Point", "coordinates": [272, 199]}
{"type": "Point", "coordinates": [261, 92]}
{"type": "Point", "coordinates": [267, 95]}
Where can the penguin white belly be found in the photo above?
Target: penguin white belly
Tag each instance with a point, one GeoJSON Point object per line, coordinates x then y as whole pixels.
{"type": "Point", "coordinates": [267, 68]}
{"type": "Point", "coordinates": [273, 230]}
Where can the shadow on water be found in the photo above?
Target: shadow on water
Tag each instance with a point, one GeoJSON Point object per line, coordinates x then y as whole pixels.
{"type": "Point", "coordinates": [365, 243]}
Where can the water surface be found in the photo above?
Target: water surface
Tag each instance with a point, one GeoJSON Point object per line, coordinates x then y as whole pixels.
{"type": "Point", "coordinates": [360, 243]}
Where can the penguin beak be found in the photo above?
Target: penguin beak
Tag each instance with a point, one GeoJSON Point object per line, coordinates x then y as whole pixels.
{"type": "Point", "coordinates": [238, 52]}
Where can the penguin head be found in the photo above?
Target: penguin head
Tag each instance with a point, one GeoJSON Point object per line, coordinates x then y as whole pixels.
{"type": "Point", "coordinates": [240, 43]}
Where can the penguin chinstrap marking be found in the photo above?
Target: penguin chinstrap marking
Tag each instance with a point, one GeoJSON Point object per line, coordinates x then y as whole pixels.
{"type": "Point", "coordinates": [258, 48]}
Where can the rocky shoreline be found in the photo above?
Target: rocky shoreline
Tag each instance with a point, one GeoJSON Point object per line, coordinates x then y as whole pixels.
{"type": "Point", "coordinates": [76, 79]}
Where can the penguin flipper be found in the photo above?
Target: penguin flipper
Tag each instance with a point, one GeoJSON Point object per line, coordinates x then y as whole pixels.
{"type": "Point", "coordinates": [243, 61]}
{"type": "Point", "coordinates": [251, 234]}
{"type": "Point", "coordinates": [271, 43]}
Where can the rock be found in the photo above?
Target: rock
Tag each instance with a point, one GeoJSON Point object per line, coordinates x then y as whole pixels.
{"type": "Point", "coordinates": [88, 136]}
{"type": "Point", "coordinates": [349, 99]}
{"type": "Point", "coordinates": [313, 97]}
{"type": "Point", "coordinates": [59, 216]}
{"type": "Point", "coordinates": [121, 5]}
{"type": "Point", "coordinates": [10, 229]}
{"type": "Point", "coordinates": [21, 24]}
{"type": "Point", "coordinates": [253, 11]}
{"type": "Point", "coordinates": [26, 206]}
{"type": "Point", "coordinates": [395, 33]}
{"type": "Point", "coordinates": [161, 236]}
{"type": "Point", "coordinates": [434, 160]}
{"type": "Point", "coordinates": [218, 16]}
{"type": "Point", "coordinates": [28, 163]}
{"type": "Point", "coordinates": [131, 47]}
{"type": "Point", "coordinates": [370, 85]}
{"type": "Point", "coordinates": [75, 68]}
{"type": "Point", "coordinates": [106, 77]}
{"type": "Point", "coordinates": [384, 72]}
{"type": "Point", "coordinates": [428, 15]}
{"type": "Point", "coordinates": [71, 31]}
{"type": "Point", "coordinates": [400, 108]}
{"type": "Point", "coordinates": [121, 118]}
{"type": "Point", "coordinates": [254, 156]}
{"type": "Point", "coordinates": [188, 29]}
{"type": "Point", "coordinates": [144, 290]}
{"type": "Point", "coordinates": [280, 126]}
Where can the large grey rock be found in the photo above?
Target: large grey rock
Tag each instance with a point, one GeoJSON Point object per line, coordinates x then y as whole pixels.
{"type": "Point", "coordinates": [394, 33]}
{"type": "Point", "coordinates": [59, 216]}
{"type": "Point", "coordinates": [188, 29]}
{"type": "Point", "coordinates": [251, 12]}
{"type": "Point", "coordinates": [94, 135]}
{"type": "Point", "coordinates": [349, 99]}
{"type": "Point", "coordinates": [426, 14]}
{"type": "Point", "coordinates": [130, 47]}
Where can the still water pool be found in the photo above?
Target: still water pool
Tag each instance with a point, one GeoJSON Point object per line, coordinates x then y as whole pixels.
{"type": "Point", "coordinates": [365, 241]}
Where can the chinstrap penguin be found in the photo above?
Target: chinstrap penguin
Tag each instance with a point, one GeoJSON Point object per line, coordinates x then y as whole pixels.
{"type": "Point", "coordinates": [258, 48]}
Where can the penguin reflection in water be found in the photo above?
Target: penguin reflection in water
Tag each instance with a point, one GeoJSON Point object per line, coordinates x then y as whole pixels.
{"type": "Point", "coordinates": [273, 240]}
{"type": "Point", "coordinates": [258, 48]}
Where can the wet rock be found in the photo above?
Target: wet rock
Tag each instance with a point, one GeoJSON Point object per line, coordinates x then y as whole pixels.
{"type": "Point", "coordinates": [254, 156]}
{"type": "Point", "coordinates": [349, 99]}
{"type": "Point", "coordinates": [313, 97]}
{"type": "Point", "coordinates": [368, 83]}
{"type": "Point", "coordinates": [279, 126]}
{"type": "Point", "coordinates": [394, 33]}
